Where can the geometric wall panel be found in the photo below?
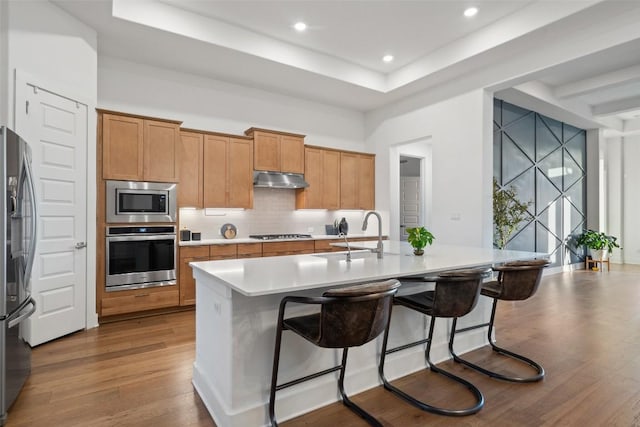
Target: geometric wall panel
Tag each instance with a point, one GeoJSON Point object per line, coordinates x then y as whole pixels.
{"type": "Point", "coordinates": [545, 161]}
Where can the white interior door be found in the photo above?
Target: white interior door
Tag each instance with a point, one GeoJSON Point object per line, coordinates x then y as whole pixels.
{"type": "Point", "coordinates": [409, 204]}
{"type": "Point", "coordinates": [56, 129]}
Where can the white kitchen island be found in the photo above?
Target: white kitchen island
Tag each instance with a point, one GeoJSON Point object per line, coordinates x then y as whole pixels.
{"type": "Point", "coordinates": [236, 312]}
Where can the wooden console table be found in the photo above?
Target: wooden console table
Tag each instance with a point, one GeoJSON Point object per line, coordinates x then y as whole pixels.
{"type": "Point", "coordinates": [588, 261]}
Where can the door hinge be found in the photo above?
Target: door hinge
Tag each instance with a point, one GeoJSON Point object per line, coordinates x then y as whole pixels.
{"type": "Point", "coordinates": [27, 107]}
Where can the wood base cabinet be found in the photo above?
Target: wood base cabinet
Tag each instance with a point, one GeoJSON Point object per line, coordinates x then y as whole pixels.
{"type": "Point", "coordinates": [208, 253]}
{"type": "Point", "coordinates": [123, 302]}
{"type": "Point", "coordinates": [185, 276]}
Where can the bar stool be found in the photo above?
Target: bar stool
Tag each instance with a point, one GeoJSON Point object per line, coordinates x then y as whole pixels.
{"type": "Point", "coordinates": [456, 294]}
{"type": "Point", "coordinates": [516, 281]}
{"type": "Point", "coordinates": [348, 317]}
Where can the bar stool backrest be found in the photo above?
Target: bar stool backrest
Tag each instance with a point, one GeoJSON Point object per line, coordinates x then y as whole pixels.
{"type": "Point", "coordinates": [519, 280]}
{"type": "Point", "coordinates": [456, 293]}
{"type": "Point", "coordinates": [355, 315]}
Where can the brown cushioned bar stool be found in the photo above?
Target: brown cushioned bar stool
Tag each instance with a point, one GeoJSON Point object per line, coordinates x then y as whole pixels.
{"type": "Point", "coordinates": [517, 281]}
{"type": "Point", "coordinates": [348, 317]}
{"type": "Point", "coordinates": [455, 294]}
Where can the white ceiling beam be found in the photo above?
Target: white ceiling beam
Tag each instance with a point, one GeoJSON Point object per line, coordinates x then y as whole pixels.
{"type": "Point", "coordinates": [603, 81]}
{"type": "Point", "coordinates": [616, 107]}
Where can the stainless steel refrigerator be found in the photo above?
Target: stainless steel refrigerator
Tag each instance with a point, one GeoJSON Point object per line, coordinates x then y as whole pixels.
{"type": "Point", "coordinates": [18, 219]}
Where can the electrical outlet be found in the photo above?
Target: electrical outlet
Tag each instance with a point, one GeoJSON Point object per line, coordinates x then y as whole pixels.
{"type": "Point", "coordinates": [309, 229]}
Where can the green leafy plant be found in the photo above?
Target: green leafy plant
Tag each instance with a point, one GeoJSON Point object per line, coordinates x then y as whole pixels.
{"type": "Point", "coordinates": [419, 237]}
{"type": "Point", "coordinates": [597, 240]}
{"type": "Point", "coordinates": [508, 213]}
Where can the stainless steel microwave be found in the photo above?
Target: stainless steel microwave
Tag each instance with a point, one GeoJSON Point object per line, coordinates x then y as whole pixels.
{"type": "Point", "coordinates": [141, 202]}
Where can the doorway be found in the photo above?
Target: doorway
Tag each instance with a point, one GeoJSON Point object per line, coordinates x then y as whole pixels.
{"type": "Point", "coordinates": [410, 186]}
{"type": "Point", "coordinates": [410, 194]}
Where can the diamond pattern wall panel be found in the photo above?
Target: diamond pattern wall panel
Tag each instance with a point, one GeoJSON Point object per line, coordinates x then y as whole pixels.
{"type": "Point", "coordinates": [544, 160]}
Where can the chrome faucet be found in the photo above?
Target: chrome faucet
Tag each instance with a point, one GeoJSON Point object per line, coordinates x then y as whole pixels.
{"type": "Point", "coordinates": [378, 250]}
{"type": "Point", "coordinates": [348, 247]}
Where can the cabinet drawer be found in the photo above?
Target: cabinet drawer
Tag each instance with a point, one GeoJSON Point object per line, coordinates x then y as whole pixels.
{"type": "Point", "coordinates": [249, 250]}
{"type": "Point", "coordinates": [287, 248]}
{"type": "Point", "coordinates": [223, 251]}
{"type": "Point", "coordinates": [144, 300]}
{"type": "Point", "coordinates": [325, 245]}
{"type": "Point", "coordinates": [194, 251]}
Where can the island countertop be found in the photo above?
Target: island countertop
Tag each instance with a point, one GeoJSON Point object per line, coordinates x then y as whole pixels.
{"type": "Point", "coordinates": [275, 275]}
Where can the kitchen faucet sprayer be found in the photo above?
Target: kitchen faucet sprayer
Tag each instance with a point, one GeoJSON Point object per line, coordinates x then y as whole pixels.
{"type": "Point", "coordinates": [378, 249]}
{"type": "Point", "coordinates": [344, 236]}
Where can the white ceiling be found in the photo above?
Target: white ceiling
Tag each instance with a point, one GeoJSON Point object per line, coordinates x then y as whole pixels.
{"type": "Point", "coordinates": [583, 55]}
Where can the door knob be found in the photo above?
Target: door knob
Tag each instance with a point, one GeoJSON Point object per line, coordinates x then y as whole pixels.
{"type": "Point", "coordinates": [81, 245]}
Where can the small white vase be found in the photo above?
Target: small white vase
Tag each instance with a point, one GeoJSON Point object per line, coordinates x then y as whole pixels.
{"type": "Point", "coordinates": [599, 254]}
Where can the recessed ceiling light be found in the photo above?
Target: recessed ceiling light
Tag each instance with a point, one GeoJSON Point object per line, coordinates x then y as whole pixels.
{"type": "Point", "coordinates": [300, 26]}
{"type": "Point", "coordinates": [471, 11]}
{"type": "Point", "coordinates": [387, 58]}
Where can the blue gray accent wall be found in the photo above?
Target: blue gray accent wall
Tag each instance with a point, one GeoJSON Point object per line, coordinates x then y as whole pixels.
{"type": "Point", "coordinates": [545, 161]}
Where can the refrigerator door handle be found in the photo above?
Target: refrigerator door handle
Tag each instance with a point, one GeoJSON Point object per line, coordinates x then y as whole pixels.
{"type": "Point", "coordinates": [13, 322]}
{"type": "Point", "coordinates": [34, 219]}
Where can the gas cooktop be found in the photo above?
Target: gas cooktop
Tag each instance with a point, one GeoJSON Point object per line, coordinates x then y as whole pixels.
{"type": "Point", "coordinates": [279, 236]}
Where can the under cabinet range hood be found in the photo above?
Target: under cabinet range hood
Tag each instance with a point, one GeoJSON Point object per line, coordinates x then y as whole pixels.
{"type": "Point", "coordinates": [278, 180]}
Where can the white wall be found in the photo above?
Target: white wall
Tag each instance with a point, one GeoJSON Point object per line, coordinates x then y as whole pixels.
{"type": "Point", "coordinates": [208, 104]}
{"type": "Point", "coordinates": [613, 186]}
{"type": "Point", "coordinates": [4, 59]}
{"type": "Point", "coordinates": [630, 154]}
{"type": "Point", "coordinates": [620, 157]}
{"type": "Point", "coordinates": [458, 132]}
{"type": "Point", "coordinates": [59, 53]}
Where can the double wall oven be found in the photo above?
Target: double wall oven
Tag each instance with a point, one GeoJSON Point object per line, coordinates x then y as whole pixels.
{"type": "Point", "coordinates": [141, 247]}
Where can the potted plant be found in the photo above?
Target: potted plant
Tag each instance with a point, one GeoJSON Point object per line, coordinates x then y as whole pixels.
{"type": "Point", "coordinates": [419, 237]}
{"type": "Point", "coordinates": [508, 213]}
{"type": "Point", "coordinates": [599, 244]}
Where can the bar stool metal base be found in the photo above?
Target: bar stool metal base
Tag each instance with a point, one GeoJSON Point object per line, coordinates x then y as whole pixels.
{"type": "Point", "coordinates": [518, 357]}
{"type": "Point", "coordinates": [479, 398]}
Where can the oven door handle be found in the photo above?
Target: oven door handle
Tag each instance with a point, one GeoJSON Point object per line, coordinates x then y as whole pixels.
{"type": "Point", "coordinates": [137, 238]}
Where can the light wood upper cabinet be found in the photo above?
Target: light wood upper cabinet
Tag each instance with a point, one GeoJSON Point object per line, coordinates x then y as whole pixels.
{"type": "Point", "coordinates": [322, 173]}
{"type": "Point", "coordinates": [122, 147]}
{"type": "Point", "coordinates": [140, 149]}
{"type": "Point", "coordinates": [190, 190]}
{"type": "Point", "coordinates": [311, 197]}
{"type": "Point", "coordinates": [240, 173]}
{"type": "Point", "coordinates": [215, 171]}
{"type": "Point", "coordinates": [331, 179]}
{"type": "Point", "coordinates": [349, 181]}
{"type": "Point", "coordinates": [220, 166]}
{"type": "Point", "coordinates": [266, 151]}
{"type": "Point", "coordinates": [292, 154]}
{"type": "Point", "coordinates": [366, 182]}
{"type": "Point", "coordinates": [277, 151]}
{"type": "Point", "coordinates": [161, 151]}
{"type": "Point", "coordinates": [357, 181]}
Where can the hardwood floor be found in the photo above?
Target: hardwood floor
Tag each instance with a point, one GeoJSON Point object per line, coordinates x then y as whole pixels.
{"type": "Point", "coordinates": [583, 327]}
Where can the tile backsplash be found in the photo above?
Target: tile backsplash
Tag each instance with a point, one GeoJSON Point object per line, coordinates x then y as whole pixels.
{"type": "Point", "coordinates": [273, 213]}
